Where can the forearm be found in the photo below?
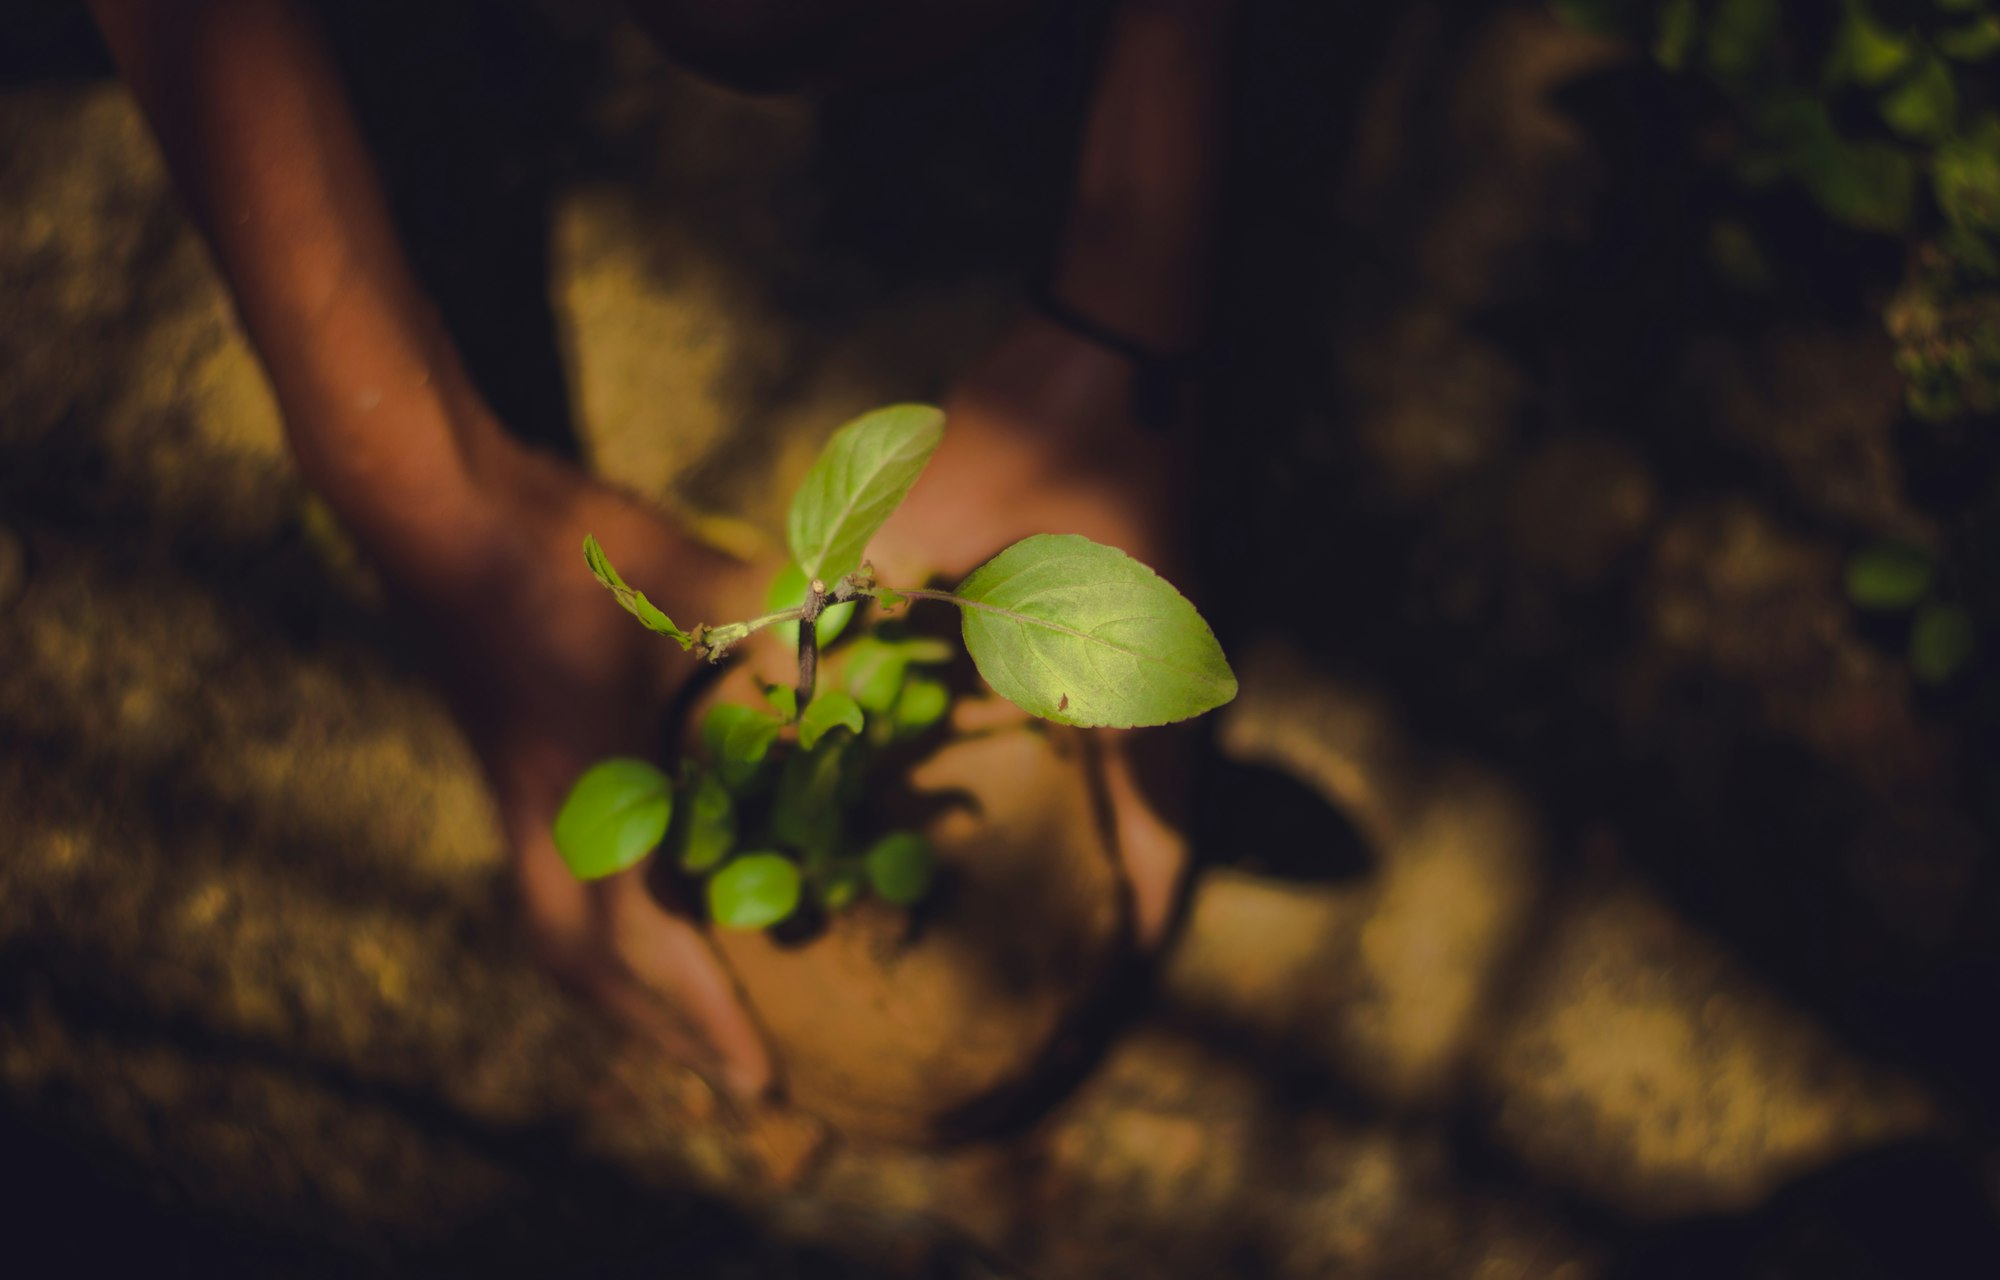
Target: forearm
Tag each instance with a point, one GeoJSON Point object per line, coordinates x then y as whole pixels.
{"type": "Point", "coordinates": [263, 145]}
{"type": "Point", "coordinates": [1144, 201]}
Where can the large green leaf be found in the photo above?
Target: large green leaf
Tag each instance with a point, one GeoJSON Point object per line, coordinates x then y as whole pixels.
{"type": "Point", "coordinates": [861, 476]}
{"type": "Point", "coordinates": [1081, 633]}
{"type": "Point", "coordinates": [634, 602]}
{"type": "Point", "coordinates": [613, 817]}
{"type": "Point", "coordinates": [755, 890]}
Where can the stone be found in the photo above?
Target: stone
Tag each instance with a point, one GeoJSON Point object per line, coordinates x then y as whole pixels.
{"type": "Point", "coordinates": [1643, 1067]}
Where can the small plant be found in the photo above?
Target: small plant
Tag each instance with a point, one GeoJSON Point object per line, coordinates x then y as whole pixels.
{"type": "Point", "coordinates": [1883, 113]}
{"type": "Point", "coordinates": [773, 811]}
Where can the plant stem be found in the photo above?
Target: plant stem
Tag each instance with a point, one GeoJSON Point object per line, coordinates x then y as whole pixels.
{"type": "Point", "coordinates": [809, 642]}
{"type": "Point", "coordinates": [713, 642]}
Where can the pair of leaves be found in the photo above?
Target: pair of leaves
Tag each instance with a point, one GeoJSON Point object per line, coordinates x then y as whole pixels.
{"type": "Point", "coordinates": [761, 889]}
{"type": "Point", "coordinates": [1066, 628]}
{"type": "Point", "coordinates": [1891, 576]}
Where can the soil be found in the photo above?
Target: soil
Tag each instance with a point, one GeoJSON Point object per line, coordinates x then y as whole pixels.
{"type": "Point", "coordinates": [1589, 890]}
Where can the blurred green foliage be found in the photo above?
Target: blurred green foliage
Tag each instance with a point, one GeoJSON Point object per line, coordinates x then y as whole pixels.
{"type": "Point", "coordinates": [1891, 576]}
{"type": "Point", "coordinates": [1884, 113]}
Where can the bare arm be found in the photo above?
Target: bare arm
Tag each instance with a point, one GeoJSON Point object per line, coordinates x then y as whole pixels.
{"type": "Point", "coordinates": [263, 144]}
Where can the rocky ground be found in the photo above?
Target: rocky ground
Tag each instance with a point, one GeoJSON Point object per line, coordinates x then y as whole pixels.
{"type": "Point", "coordinates": [1591, 892]}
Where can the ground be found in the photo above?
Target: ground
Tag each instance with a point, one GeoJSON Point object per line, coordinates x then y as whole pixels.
{"type": "Point", "coordinates": [1589, 890]}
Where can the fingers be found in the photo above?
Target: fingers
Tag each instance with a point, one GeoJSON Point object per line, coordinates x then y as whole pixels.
{"type": "Point", "coordinates": [652, 970]}
{"type": "Point", "coordinates": [674, 963]}
{"type": "Point", "coordinates": [1151, 849]}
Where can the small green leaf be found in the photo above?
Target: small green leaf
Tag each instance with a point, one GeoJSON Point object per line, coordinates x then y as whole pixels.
{"type": "Point", "coordinates": [754, 891]}
{"type": "Point", "coordinates": [921, 704]}
{"type": "Point", "coordinates": [1975, 42]}
{"type": "Point", "coordinates": [788, 591]}
{"type": "Point", "coordinates": [1965, 173]}
{"type": "Point", "coordinates": [1869, 185]}
{"type": "Point", "coordinates": [1866, 52]}
{"type": "Point", "coordinates": [1605, 17]}
{"type": "Point", "coordinates": [1740, 34]}
{"type": "Point", "coordinates": [1925, 106]}
{"type": "Point", "coordinates": [1941, 639]}
{"type": "Point", "coordinates": [876, 667]}
{"type": "Point", "coordinates": [737, 739]}
{"type": "Point", "coordinates": [1889, 575]}
{"type": "Point", "coordinates": [874, 674]}
{"type": "Point", "coordinates": [830, 710]}
{"type": "Point", "coordinates": [614, 816]}
{"type": "Point", "coordinates": [1674, 40]}
{"type": "Point", "coordinates": [632, 601]}
{"type": "Point", "coordinates": [861, 477]}
{"type": "Point", "coordinates": [900, 867]}
{"type": "Point", "coordinates": [705, 830]}
{"type": "Point", "coordinates": [839, 890]}
{"type": "Point", "coordinates": [1080, 633]}
{"type": "Point", "coordinates": [785, 699]}
{"type": "Point", "coordinates": [806, 812]}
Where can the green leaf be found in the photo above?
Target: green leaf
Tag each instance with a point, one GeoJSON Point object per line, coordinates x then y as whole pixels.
{"type": "Point", "coordinates": [861, 477]}
{"type": "Point", "coordinates": [737, 739]}
{"type": "Point", "coordinates": [1081, 633]}
{"type": "Point", "coordinates": [1966, 176]}
{"type": "Point", "coordinates": [788, 590]}
{"type": "Point", "coordinates": [876, 667]}
{"type": "Point", "coordinates": [1925, 106]}
{"type": "Point", "coordinates": [614, 816]}
{"type": "Point", "coordinates": [806, 812]}
{"type": "Point", "coordinates": [705, 830]}
{"type": "Point", "coordinates": [1889, 575]}
{"type": "Point", "coordinates": [900, 866]}
{"type": "Point", "coordinates": [1941, 639]}
{"type": "Point", "coordinates": [921, 704]}
{"type": "Point", "coordinates": [1739, 35]}
{"type": "Point", "coordinates": [1867, 185]}
{"type": "Point", "coordinates": [830, 710]}
{"type": "Point", "coordinates": [785, 699]}
{"type": "Point", "coordinates": [754, 891]}
{"type": "Point", "coordinates": [633, 602]}
{"type": "Point", "coordinates": [839, 890]}
{"type": "Point", "coordinates": [1866, 52]}
{"type": "Point", "coordinates": [1605, 17]}
{"type": "Point", "coordinates": [1975, 42]}
{"type": "Point", "coordinates": [874, 675]}
{"type": "Point", "coordinates": [1674, 40]}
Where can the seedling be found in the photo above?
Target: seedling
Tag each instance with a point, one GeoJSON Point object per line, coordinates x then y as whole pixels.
{"type": "Point", "coordinates": [772, 811]}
